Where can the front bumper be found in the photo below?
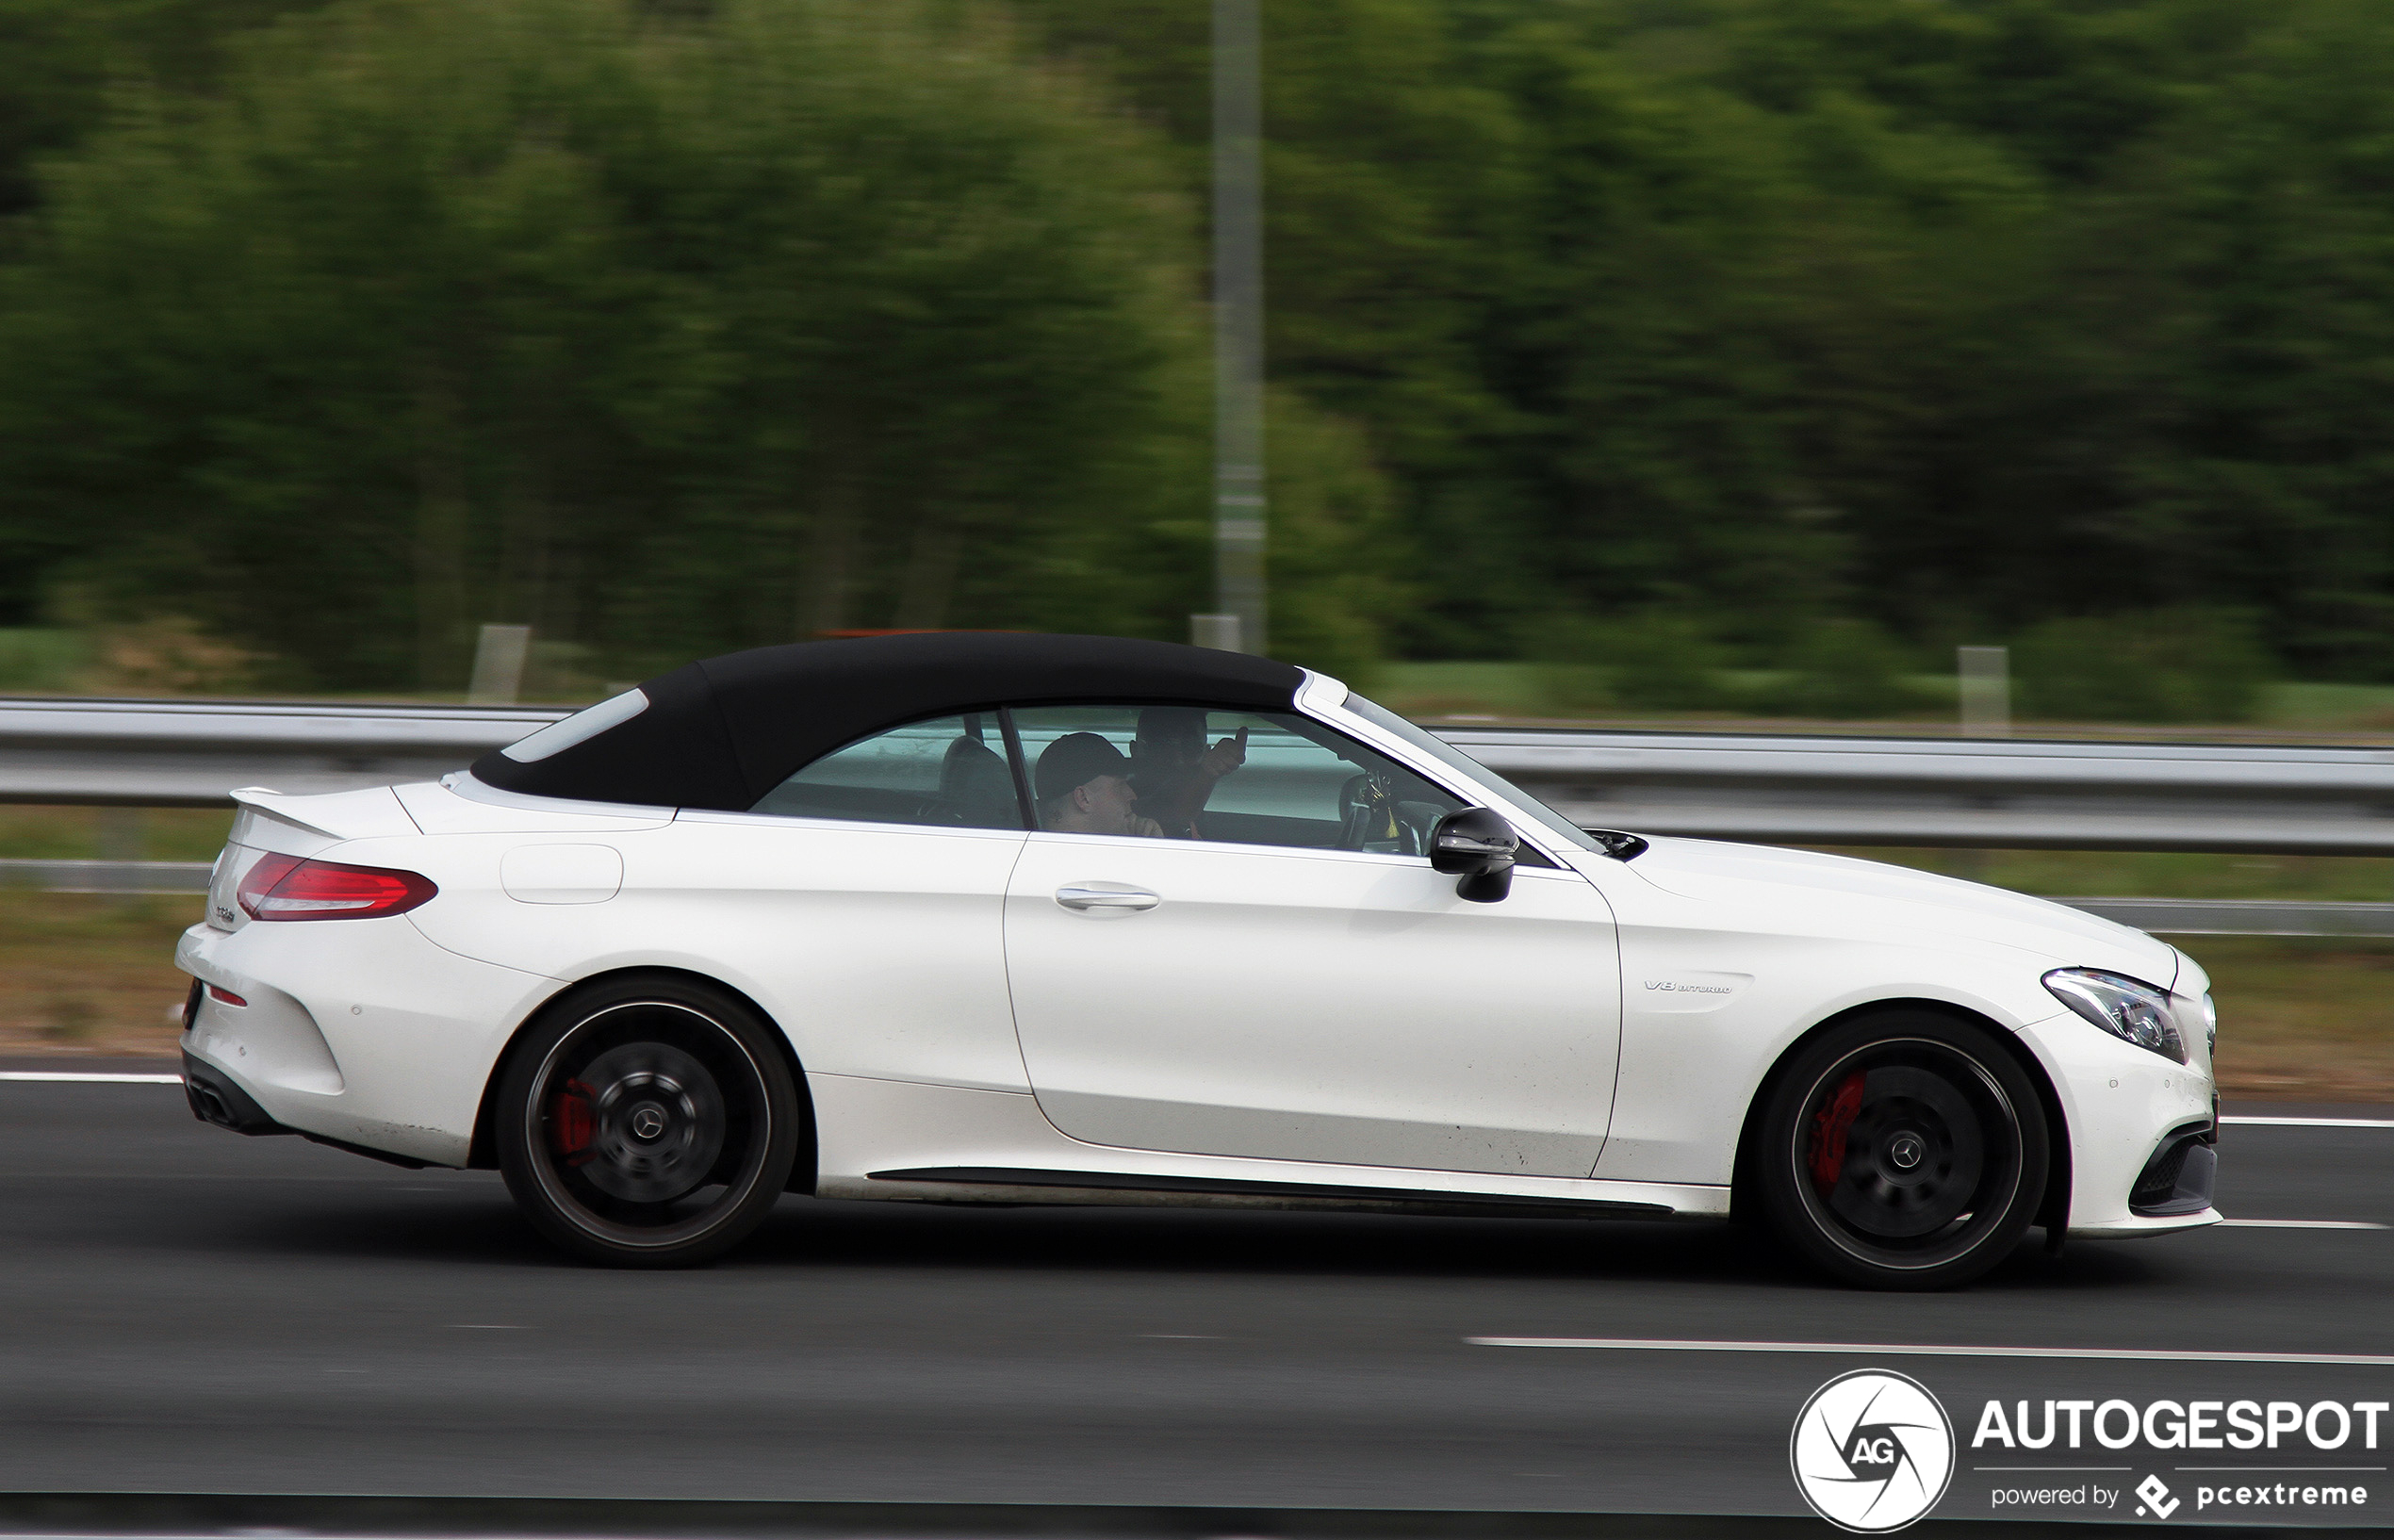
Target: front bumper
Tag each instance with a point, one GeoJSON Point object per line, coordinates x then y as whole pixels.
{"type": "Point", "coordinates": [2125, 1108]}
{"type": "Point", "coordinates": [2171, 1193]}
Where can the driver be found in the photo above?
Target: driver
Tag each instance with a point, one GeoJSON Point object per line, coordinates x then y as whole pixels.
{"type": "Point", "coordinates": [1176, 771]}
{"type": "Point", "coordinates": [1083, 787]}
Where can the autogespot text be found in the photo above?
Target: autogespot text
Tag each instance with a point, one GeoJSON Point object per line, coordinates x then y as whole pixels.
{"type": "Point", "coordinates": [2258, 1432]}
{"type": "Point", "coordinates": [2179, 1425]}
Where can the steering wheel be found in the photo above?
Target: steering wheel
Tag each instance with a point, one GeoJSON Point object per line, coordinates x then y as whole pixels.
{"type": "Point", "coordinates": [1366, 805]}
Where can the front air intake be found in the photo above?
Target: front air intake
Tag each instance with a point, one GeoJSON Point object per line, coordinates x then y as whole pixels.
{"type": "Point", "coordinates": [2177, 1180]}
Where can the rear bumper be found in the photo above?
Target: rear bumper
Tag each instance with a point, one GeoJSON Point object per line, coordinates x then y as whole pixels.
{"type": "Point", "coordinates": [362, 1035]}
{"type": "Point", "coordinates": [217, 1098]}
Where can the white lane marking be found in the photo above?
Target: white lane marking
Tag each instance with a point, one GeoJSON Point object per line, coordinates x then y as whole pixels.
{"type": "Point", "coordinates": [2303, 1224]}
{"type": "Point", "coordinates": [1891, 1350]}
{"type": "Point", "coordinates": [2312, 1123]}
{"type": "Point", "coordinates": [86, 1077]}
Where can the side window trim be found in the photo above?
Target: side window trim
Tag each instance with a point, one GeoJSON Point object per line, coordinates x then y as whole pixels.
{"type": "Point", "coordinates": [752, 819]}
{"type": "Point", "coordinates": [1015, 764]}
{"type": "Point", "coordinates": [1240, 847]}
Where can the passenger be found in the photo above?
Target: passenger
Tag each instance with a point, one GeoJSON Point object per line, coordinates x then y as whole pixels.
{"type": "Point", "coordinates": [1083, 785]}
{"type": "Point", "coordinates": [1175, 772]}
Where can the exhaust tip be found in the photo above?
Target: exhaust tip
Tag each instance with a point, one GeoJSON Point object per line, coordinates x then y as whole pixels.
{"type": "Point", "coordinates": [215, 1099]}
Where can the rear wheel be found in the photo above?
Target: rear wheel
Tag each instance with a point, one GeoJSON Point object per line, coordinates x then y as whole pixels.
{"type": "Point", "coordinates": [649, 1124]}
{"type": "Point", "coordinates": [1904, 1150]}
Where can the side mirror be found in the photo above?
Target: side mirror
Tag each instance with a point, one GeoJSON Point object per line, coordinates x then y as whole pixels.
{"type": "Point", "coordinates": [1478, 846]}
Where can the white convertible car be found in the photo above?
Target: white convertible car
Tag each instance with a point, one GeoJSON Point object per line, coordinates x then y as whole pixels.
{"type": "Point", "coordinates": [985, 918]}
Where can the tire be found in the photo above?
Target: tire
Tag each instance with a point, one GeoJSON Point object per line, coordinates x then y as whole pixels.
{"type": "Point", "coordinates": [647, 1123]}
{"type": "Point", "coordinates": [1903, 1150]}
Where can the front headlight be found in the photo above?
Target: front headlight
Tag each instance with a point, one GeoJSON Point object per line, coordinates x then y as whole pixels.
{"type": "Point", "coordinates": [2210, 1025]}
{"type": "Point", "coordinates": [2128, 1008]}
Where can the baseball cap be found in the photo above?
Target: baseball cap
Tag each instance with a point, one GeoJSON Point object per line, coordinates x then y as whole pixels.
{"type": "Point", "coordinates": [1075, 760]}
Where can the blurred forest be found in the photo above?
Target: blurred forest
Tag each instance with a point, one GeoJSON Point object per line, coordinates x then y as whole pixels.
{"type": "Point", "coordinates": [1641, 339]}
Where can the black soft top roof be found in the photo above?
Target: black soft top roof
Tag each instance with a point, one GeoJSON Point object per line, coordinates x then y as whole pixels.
{"type": "Point", "coordinates": [723, 733]}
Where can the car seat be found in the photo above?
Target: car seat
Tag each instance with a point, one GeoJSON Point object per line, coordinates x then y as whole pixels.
{"type": "Point", "coordinates": [977, 786]}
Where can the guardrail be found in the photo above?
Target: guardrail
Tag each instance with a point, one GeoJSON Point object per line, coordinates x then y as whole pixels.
{"type": "Point", "coordinates": [1988, 794]}
{"type": "Point", "coordinates": [2164, 916]}
{"type": "Point", "coordinates": [1793, 790]}
{"type": "Point", "coordinates": [188, 754]}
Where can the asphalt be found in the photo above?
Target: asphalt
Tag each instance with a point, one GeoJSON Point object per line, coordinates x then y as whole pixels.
{"type": "Point", "coordinates": [188, 1311]}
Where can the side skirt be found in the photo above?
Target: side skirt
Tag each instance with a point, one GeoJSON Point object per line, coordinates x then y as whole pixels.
{"type": "Point", "coordinates": [1009, 1185]}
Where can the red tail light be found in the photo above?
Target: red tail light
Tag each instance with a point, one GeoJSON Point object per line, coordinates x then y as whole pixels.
{"type": "Point", "coordinates": [287, 887]}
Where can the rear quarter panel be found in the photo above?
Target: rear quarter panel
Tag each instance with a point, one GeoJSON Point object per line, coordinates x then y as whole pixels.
{"type": "Point", "coordinates": [877, 950]}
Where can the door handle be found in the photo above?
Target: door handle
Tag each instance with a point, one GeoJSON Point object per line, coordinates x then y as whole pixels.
{"type": "Point", "coordinates": [1083, 897]}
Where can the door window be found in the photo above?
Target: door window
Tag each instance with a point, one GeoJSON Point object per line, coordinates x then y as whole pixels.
{"type": "Point", "coordinates": [1246, 777]}
{"type": "Point", "coordinates": [950, 771]}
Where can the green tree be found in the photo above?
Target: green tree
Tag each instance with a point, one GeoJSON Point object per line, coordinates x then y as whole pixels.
{"type": "Point", "coordinates": [663, 335]}
{"type": "Point", "coordinates": [2248, 283]}
{"type": "Point", "coordinates": [2170, 666]}
{"type": "Point", "coordinates": [60, 58]}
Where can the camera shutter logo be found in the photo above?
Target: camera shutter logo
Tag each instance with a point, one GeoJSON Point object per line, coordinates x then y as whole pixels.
{"type": "Point", "coordinates": [1872, 1451]}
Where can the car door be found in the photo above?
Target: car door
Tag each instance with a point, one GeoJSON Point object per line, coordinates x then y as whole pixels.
{"type": "Point", "coordinates": [862, 900]}
{"type": "Point", "coordinates": [1288, 979]}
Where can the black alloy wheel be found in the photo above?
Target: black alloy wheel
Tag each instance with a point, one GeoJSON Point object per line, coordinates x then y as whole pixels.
{"type": "Point", "coordinates": [1904, 1150]}
{"type": "Point", "coordinates": [647, 1123]}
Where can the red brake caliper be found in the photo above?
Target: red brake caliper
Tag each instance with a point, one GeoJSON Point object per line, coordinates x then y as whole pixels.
{"type": "Point", "coordinates": [1829, 1131]}
{"type": "Point", "coordinates": [571, 1125]}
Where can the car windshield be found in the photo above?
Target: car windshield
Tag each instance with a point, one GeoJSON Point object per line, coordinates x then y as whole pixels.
{"type": "Point", "coordinates": [1554, 822]}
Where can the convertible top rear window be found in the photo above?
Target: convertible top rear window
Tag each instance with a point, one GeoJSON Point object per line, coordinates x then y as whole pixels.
{"type": "Point", "coordinates": [584, 725]}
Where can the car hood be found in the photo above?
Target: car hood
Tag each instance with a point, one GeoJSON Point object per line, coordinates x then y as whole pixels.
{"type": "Point", "coordinates": [1838, 894]}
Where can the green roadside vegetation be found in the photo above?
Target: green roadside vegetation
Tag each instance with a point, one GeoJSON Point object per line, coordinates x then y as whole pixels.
{"type": "Point", "coordinates": [1518, 691]}
{"type": "Point", "coordinates": [1734, 356]}
{"type": "Point", "coordinates": [39, 833]}
{"type": "Point", "coordinates": [83, 974]}
{"type": "Point", "coordinates": [2302, 1018]}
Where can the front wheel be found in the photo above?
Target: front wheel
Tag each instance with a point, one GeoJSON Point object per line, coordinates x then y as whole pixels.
{"type": "Point", "coordinates": [1904, 1150]}
{"type": "Point", "coordinates": [649, 1124]}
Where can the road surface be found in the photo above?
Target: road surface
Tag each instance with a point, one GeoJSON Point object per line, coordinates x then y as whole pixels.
{"type": "Point", "coordinates": [185, 1310]}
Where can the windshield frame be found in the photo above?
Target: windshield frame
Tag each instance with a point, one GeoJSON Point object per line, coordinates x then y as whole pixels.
{"type": "Point", "coordinates": [1422, 741]}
